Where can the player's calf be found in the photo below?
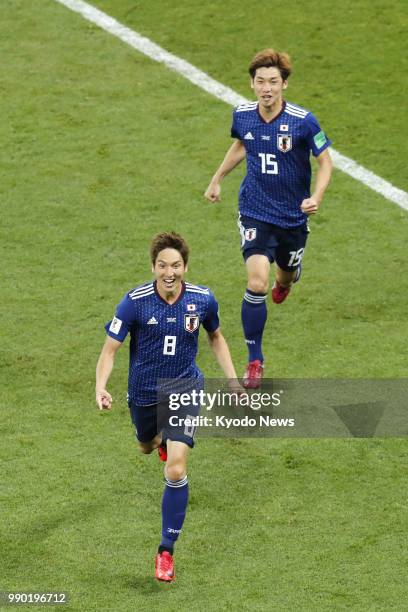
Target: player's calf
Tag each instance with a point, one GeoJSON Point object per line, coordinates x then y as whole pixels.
{"type": "Point", "coordinates": [280, 290]}
{"type": "Point", "coordinates": [148, 447]}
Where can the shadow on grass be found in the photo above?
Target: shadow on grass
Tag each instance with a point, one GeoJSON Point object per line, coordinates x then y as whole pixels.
{"type": "Point", "coordinates": [146, 585]}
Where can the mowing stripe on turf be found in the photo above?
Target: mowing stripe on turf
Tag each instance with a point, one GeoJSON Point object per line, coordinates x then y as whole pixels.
{"type": "Point", "coordinates": [201, 79]}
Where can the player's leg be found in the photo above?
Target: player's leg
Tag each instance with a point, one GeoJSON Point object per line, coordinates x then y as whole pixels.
{"type": "Point", "coordinates": [147, 447]}
{"type": "Point", "coordinates": [257, 245]}
{"type": "Point", "coordinates": [175, 497]}
{"type": "Point", "coordinates": [258, 267]}
{"type": "Point", "coordinates": [179, 438]}
{"type": "Point", "coordinates": [283, 283]}
{"type": "Point", "coordinates": [254, 315]}
{"type": "Point", "coordinates": [289, 254]}
{"type": "Point", "coordinates": [174, 506]}
{"type": "Point", "coordinates": [144, 419]}
{"type": "Point", "coordinates": [284, 277]}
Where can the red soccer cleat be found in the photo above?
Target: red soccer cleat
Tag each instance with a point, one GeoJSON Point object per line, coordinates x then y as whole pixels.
{"type": "Point", "coordinates": [162, 451]}
{"type": "Point", "coordinates": [253, 375]}
{"type": "Point", "coordinates": [279, 292]}
{"type": "Point", "coordinates": [165, 567]}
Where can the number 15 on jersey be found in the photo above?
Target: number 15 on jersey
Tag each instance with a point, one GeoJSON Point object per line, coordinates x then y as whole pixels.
{"type": "Point", "coordinates": [268, 163]}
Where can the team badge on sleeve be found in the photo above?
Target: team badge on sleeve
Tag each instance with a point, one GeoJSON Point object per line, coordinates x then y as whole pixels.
{"type": "Point", "coordinates": [115, 325]}
{"type": "Point", "coordinates": [284, 142]}
{"type": "Point", "coordinates": [191, 322]}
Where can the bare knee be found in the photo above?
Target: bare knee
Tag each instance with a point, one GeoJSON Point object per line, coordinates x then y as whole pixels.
{"type": "Point", "coordinates": [258, 267]}
{"type": "Point", "coordinates": [175, 471]}
{"type": "Point", "coordinates": [258, 285]}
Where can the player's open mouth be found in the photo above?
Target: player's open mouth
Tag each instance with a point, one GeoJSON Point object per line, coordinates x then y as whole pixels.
{"type": "Point", "coordinates": [169, 282]}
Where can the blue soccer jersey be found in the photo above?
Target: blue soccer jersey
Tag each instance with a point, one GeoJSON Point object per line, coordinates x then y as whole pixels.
{"type": "Point", "coordinates": [278, 162]}
{"type": "Point", "coordinates": [163, 337]}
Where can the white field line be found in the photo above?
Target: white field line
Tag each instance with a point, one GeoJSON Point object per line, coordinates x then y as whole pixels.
{"type": "Point", "coordinates": [201, 79]}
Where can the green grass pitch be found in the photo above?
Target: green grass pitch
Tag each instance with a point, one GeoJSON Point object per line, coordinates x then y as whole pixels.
{"type": "Point", "coordinates": [101, 148]}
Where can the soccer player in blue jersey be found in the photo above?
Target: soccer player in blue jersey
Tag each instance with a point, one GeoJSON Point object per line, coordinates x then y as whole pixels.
{"type": "Point", "coordinates": [276, 138]}
{"type": "Point", "coordinates": [163, 318]}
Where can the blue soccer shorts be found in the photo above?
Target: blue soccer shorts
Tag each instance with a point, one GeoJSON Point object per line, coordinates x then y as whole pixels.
{"type": "Point", "coordinates": [285, 246]}
{"type": "Point", "coordinates": [174, 425]}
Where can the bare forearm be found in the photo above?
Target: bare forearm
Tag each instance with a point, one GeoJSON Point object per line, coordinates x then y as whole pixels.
{"type": "Point", "coordinates": [223, 356]}
{"type": "Point", "coordinates": [104, 369]}
{"type": "Point", "coordinates": [323, 177]}
{"type": "Point", "coordinates": [235, 155]}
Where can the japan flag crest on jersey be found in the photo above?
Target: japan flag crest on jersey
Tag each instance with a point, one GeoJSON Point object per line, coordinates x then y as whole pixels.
{"type": "Point", "coordinates": [191, 322]}
{"type": "Point", "coordinates": [284, 142]}
{"type": "Point", "coordinates": [250, 234]}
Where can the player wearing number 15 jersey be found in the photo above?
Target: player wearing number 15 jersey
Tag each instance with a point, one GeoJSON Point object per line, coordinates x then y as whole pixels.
{"type": "Point", "coordinates": [163, 318]}
{"type": "Point", "coordinates": [276, 138]}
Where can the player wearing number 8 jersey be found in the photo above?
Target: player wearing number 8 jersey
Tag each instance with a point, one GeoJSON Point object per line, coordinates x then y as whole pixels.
{"type": "Point", "coordinates": [164, 336]}
{"type": "Point", "coordinates": [163, 318]}
{"type": "Point", "coordinates": [276, 138]}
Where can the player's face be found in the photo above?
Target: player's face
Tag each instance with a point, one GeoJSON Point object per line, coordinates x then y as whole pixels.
{"type": "Point", "coordinates": [169, 270]}
{"type": "Point", "coordinates": [268, 86]}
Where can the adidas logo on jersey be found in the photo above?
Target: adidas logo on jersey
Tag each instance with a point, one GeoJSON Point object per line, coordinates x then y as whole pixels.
{"type": "Point", "coordinates": [152, 321]}
{"type": "Point", "coordinates": [248, 136]}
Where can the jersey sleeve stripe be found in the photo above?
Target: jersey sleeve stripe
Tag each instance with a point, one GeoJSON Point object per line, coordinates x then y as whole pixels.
{"type": "Point", "coordinates": [244, 110]}
{"type": "Point", "coordinates": [141, 289]}
{"type": "Point", "coordinates": [141, 295]}
{"type": "Point", "coordinates": [296, 111]}
{"type": "Point", "coordinates": [202, 291]}
{"type": "Point", "coordinates": [191, 286]}
{"type": "Point", "coordinates": [298, 115]}
{"type": "Point", "coordinates": [296, 107]}
{"type": "Point", "coordinates": [247, 104]}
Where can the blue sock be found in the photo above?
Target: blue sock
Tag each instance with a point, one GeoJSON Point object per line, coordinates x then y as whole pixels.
{"type": "Point", "coordinates": [174, 505]}
{"type": "Point", "coordinates": [254, 315]}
